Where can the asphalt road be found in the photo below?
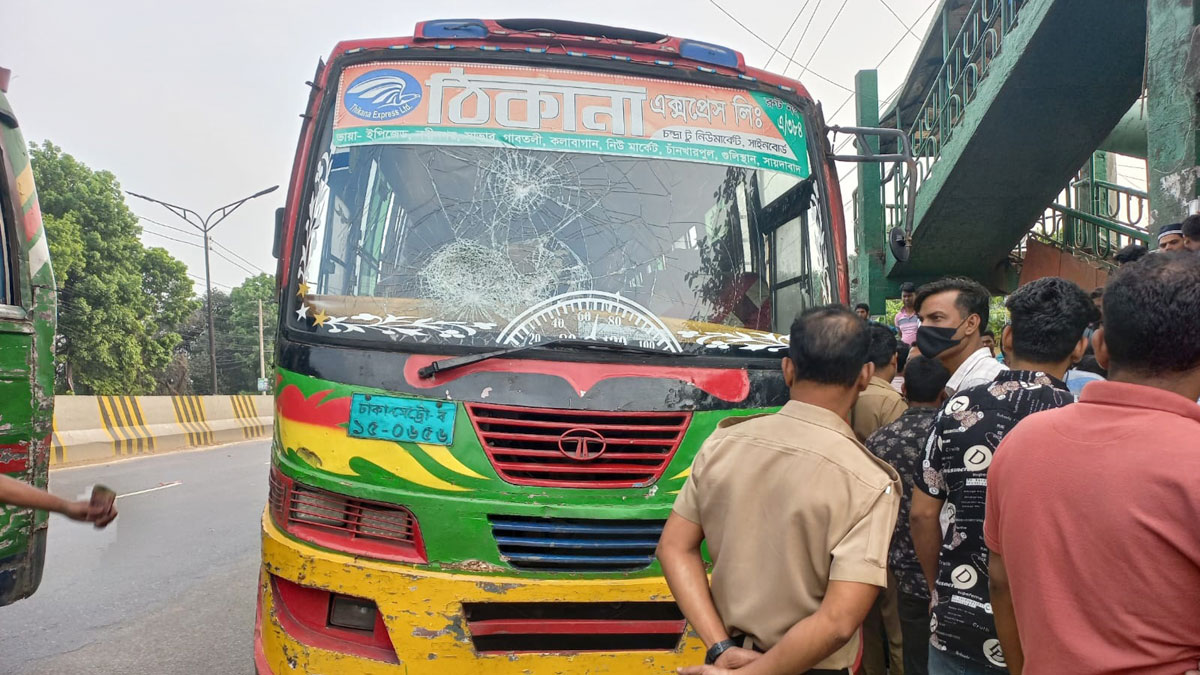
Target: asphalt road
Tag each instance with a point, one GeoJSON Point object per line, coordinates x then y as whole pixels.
{"type": "Point", "coordinates": [168, 589]}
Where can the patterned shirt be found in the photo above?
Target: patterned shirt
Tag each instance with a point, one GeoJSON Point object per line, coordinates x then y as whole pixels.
{"type": "Point", "coordinates": [957, 456]}
{"type": "Point", "coordinates": [902, 444]}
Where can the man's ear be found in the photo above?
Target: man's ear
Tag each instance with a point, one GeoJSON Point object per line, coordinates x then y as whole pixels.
{"type": "Point", "coordinates": [789, 371]}
{"type": "Point", "coordinates": [1100, 347]}
{"type": "Point", "coordinates": [1006, 340]}
{"type": "Point", "coordinates": [865, 375]}
{"type": "Point", "coordinates": [1080, 350]}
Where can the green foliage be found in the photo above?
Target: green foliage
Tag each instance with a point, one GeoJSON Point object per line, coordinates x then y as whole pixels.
{"type": "Point", "coordinates": [235, 319]}
{"type": "Point", "coordinates": [119, 304]}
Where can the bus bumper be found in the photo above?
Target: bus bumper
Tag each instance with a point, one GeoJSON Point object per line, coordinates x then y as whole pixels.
{"type": "Point", "coordinates": [422, 611]}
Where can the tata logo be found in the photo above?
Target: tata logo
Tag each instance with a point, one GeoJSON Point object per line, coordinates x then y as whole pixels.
{"type": "Point", "coordinates": [582, 445]}
{"type": "Point", "coordinates": [382, 95]}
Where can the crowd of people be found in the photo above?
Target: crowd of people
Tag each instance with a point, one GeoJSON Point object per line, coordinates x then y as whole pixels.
{"type": "Point", "coordinates": [935, 500]}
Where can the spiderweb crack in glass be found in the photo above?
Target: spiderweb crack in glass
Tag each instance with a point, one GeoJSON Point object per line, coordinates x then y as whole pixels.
{"type": "Point", "coordinates": [454, 244]}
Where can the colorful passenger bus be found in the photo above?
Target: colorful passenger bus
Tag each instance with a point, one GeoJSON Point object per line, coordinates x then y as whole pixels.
{"type": "Point", "coordinates": [526, 267]}
{"type": "Point", "coordinates": [27, 320]}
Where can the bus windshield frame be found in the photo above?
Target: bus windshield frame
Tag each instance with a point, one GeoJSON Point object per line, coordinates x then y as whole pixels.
{"type": "Point", "coordinates": [766, 217]}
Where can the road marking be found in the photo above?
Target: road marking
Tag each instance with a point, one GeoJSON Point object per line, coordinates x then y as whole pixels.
{"type": "Point", "coordinates": [164, 486]}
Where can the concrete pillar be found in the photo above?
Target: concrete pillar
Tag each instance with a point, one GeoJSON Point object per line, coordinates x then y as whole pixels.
{"type": "Point", "coordinates": [1172, 80]}
{"type": "Point", "coordinates": [870, 224]}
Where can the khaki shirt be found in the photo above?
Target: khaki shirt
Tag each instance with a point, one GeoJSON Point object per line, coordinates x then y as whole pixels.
{"type": "Point", "coordinates": [878, 406]}
{"type": "Point", "coordinates": [787, 503]}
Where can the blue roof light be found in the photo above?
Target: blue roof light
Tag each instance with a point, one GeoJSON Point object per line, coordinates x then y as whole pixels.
{"type": "Point", "coordinates": [454, 28]}
{"type": "Point", "coordinates": [708, 53]}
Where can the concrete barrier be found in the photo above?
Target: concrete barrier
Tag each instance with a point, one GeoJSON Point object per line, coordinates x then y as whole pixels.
{"type": "Point", "coordinates": [97, 428]}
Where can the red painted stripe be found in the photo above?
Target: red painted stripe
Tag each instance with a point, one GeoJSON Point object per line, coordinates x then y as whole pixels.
{"type": "Point", "coordinates": [553, 438]}
{"type": "Point", "coordinates": [727, 384]}
{"type": "Point", "coordinates": [574, 627]}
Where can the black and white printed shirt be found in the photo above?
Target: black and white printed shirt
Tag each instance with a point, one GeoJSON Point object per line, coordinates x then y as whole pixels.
{"type": "Point", "coordinates": [957, 456]}
{"type": "Point", "coordinates": [902, 444]}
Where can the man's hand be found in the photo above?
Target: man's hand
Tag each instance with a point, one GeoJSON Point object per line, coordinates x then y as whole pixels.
{"type": "Point", "coordinates": [85, 512]}
{"type": "Point", "coordinates": [736, 657]}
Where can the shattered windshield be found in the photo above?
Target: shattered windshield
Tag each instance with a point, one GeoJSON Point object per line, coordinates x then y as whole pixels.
{"type": "Point", "coordinates": [502, 246]}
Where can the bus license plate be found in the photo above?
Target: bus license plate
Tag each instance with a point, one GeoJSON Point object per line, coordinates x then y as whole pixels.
{"type": "Point", "coordinates": [410, 420]}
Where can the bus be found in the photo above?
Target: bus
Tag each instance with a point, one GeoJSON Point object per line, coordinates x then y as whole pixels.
{"type": "Point", "coordinates": [525, 268]}
{"type": "Point", "coordinates": [27, 324]}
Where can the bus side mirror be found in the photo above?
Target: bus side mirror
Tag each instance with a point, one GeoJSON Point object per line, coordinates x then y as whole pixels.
{"type": "Point", "coordinates": [900, 238]}
{"type": "Point", "coordinates": [278, 243]}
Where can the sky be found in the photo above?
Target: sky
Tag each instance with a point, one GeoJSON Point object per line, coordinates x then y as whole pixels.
{"type": "Point", "coordinates": [198, 103]}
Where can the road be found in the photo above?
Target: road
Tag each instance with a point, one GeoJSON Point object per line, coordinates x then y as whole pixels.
{"type": "Point", "coordinates": [168, 589]}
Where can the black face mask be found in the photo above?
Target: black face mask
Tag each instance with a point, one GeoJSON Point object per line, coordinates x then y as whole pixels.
{"type": "Point", "coordinates": [933, 340]}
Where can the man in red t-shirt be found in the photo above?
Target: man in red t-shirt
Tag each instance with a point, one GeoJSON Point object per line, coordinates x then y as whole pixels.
{"type": "Point", "coordinates": [1093, 509]}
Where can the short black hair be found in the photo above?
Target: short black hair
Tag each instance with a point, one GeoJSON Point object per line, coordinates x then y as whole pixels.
{"type": "Point", "coordinates": [924, 379]}
{"type": "Point", "coordinates": [972, 298]}
{"type": "Point", "coordinates": [1130, 253]}
{"type": "Point", "coordinates": [1097, 292]}
{"type": "Point", "coordinates": [908, 287]}
{"type": "Point", "coordinates": [829, 345]}
{"type": "Point", "coordinates": [1048, 316]}
{"type": "Point", "coordinates": [902, 351]}
{"type": "Point", "coordinates": [883, 345]}
{"type": "Point", "coordinates": [1152, 315]}
{"type": "Point", "coordinates": [1191, 227]}
{"type": "Point", "coordinates": [863, 305]}
{"type": "Point", "coordinates": [987, 330]}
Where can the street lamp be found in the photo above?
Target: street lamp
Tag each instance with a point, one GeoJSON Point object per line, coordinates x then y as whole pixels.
{"type": "Point", "coordinates": [205, 225]}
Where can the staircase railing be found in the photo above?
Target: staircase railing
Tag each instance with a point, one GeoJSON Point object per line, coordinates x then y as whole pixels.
{"type": "Point", "coordinates": [967, 60]}
{"type": "Point", "coordinates": [1114, 217]}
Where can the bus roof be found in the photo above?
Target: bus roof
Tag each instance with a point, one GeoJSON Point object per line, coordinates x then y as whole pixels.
{"type": "Point", "coordinates": [575, 39]}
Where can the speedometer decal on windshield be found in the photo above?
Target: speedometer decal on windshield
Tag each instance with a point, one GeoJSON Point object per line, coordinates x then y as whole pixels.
{"type": "Point", "coordinates": [590, 315]}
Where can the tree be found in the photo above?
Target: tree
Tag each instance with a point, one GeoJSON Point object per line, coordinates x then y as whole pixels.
{"type": "Point", "coordinates": [243, 329]}
{"type": "Point", "coordinates": [112, 339]}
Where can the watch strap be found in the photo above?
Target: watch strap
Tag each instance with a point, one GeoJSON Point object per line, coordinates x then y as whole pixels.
{"type": "Point", "coordinates": [719, 648]}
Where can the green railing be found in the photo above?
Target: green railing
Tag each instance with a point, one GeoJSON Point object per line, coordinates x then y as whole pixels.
{"type": "Point", "coordinates": [966, 62]}
{"type": "Point", "coordinates": [1093, 218]}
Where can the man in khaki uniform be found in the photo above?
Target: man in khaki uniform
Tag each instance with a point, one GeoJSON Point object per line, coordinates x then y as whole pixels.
{"type": "Point", "coordinates": [797, 514]}
{"type": "Point", "coordinates": [879, 404]}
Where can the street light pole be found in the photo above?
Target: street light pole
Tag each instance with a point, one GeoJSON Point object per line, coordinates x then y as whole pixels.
{"type": "Point", "coordinates": [205, 225]}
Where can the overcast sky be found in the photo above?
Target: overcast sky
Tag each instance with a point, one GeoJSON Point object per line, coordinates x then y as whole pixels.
{"type": "Point", "coordinates": [197, 103]}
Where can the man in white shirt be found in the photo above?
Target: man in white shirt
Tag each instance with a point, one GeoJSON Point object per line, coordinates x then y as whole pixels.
{"type": "Point", "coordinates": [954, 313]}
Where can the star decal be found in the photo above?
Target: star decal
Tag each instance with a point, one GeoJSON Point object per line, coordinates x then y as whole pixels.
{"type": "Point", "coordinates": [302, 289]}
{"type": "Point", "coordinates": [320, 318]}
{"type": "Point", "coordinates": [302, 313]}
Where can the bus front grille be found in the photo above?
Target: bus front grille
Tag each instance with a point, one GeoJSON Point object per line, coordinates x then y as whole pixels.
{"type": "Point", "coordinates": [552, 447]}
{"type": "Point", "coordinates": [561, 627]}
{"type": "Point", "coordinates": [576, 544]}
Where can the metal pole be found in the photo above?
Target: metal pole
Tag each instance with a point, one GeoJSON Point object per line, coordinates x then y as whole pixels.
{"type": "Point", "coordinates": [212, 338]}
{"type": "Point", "coordinates": [205, 225]}
{"type": "Point", "coordinates": [262, 355]}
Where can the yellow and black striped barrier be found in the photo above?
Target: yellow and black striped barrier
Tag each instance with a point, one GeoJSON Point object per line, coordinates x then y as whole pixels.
{"type": "Point", "coordinates": [97, 428]}
{"type": "Point", "coordinates": [189, 413]}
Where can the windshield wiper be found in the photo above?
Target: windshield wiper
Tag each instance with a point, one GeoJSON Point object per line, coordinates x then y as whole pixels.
{"type": "Point", "coordinates": [443, 365]}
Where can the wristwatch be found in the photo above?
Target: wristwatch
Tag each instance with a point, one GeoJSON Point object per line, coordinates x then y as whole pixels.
{"type": "Point", "coordinates": [715, 651]}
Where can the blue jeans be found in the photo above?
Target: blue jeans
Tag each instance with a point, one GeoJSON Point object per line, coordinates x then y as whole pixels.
{"type": "Point", "coordinates": [941, 663]}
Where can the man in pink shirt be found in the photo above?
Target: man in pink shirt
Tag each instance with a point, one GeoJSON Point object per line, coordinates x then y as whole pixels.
{"type": "Point", "coordinates": [907, 321]}
{"type": "Point", "coordinates": [1093, 510]}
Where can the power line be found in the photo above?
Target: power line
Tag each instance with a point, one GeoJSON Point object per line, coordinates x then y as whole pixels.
{"type": "Point", "coordinates": [211, 239]}
{"type": "Point", "coordinates": [169, 227]}
{"type": "Point", "coordinates": [164, 236]}
{"type": "Point", "coordinates": [804, 33]}
{"type": "Point", "coordinates": [906, 26]}
{"type": "Point", "coordinates": [827, 30]}
{"type": "Point", "coordinates": [783, 39]}
{"type": "Point", "coordinates": [765, 42]}
{"type": "Point", "coordinates": [235, 254]}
